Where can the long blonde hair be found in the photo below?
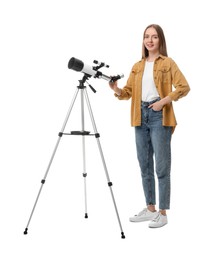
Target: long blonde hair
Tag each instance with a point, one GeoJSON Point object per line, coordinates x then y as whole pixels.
{"type": "Point", "coordinates": [162, 41]}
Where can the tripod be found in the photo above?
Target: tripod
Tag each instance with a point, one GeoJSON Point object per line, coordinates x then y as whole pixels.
{"type": "Point", "coordinates": [83, 133]}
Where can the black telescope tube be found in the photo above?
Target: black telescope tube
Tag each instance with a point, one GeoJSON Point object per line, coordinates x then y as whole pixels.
{"type": "Point", "coordinates": [75, 64]}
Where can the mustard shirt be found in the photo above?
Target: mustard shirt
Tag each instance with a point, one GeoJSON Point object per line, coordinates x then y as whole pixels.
{"type": "Point", "coordinates": [166, 74]}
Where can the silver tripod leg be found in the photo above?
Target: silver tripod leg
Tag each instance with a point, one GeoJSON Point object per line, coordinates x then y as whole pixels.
{"type": "Point", "coordinates": [52, 157]}
{"type": "Point", "coordinates": [83, 150]}
{"type": "Point", "coordinates": [103, 160]}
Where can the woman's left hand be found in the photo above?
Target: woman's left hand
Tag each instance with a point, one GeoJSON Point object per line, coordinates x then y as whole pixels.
{"type": "Point", "coordinates": [157, 106]}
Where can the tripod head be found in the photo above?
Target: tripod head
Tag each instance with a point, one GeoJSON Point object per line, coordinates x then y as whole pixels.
{"type": "Point", "coordinates": [89, 71]}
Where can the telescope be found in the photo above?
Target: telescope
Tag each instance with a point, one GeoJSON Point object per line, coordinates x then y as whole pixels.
{"type": "Point", "coordinates": [78, 65]}
{"type": "Point", "coordinates": [88, 71]}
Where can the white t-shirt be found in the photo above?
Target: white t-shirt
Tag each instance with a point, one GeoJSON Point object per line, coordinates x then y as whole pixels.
{"type": "Point", "coordinates": [149, 90]}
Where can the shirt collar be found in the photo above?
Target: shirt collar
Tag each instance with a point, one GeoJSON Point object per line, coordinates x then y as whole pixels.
{"type": "Point", "coordinates": [162, 56]}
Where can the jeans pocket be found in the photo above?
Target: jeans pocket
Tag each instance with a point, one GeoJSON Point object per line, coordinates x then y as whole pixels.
{"type": "Point", "coordinates": [156, 116]}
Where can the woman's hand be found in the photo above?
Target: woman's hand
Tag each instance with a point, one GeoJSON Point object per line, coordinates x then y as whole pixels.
{"type": "Point", "coordinates": [114, 87]}
{"type": "Point", "coordinates": [157, 106]}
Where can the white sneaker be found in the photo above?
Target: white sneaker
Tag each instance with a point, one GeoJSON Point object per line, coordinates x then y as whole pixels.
{"type": "Point", "coordinates": [159, 221]}
{"type": "Point", "coordinates": [144, 215]}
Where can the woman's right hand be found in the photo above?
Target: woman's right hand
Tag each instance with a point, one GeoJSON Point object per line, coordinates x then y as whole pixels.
{"type": "Point", "coordinates": [114, 87]}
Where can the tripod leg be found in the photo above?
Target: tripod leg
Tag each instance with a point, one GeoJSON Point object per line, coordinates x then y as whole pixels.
{"type": "Point", "coordinates": [83, 150]}
{"type": "Point", "coordinates": [84, 175]}
{"type": "Point", "coordinates": [103, 160]}
{"type": "Point", "coordinates": [52, 157]}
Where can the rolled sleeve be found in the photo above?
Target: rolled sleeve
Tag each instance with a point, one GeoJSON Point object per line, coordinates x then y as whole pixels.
{"type": "Point", "coordinates": [179, 82]}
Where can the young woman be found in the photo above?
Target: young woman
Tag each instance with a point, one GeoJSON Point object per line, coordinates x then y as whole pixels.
{"type": "Point", "coordinates": [150, 87]}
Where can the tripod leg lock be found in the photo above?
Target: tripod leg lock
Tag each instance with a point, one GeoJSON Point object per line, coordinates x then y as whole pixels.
{"type": "Point", "coordinates": [110, 184]}
{"type": "Point", "coordinates": [42, 181]}
{"type": "Point", "coordinates": [97, 135]}
{"type": "Point", "coordinates": [84, 175]}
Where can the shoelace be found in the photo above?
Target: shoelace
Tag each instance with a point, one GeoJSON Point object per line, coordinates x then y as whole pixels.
{"type": "Point", "coordinates": [157, 218]}
{"type": "Point", "coordinates": [142, 212]}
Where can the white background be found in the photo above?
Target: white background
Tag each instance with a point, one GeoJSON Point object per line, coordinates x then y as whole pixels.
{"type": "Point", "coordinates": [37, 40]}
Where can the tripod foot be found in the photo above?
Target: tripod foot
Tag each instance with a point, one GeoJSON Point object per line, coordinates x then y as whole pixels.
{"type": "Point", "coordinates": [25, 232]}
{"type": "Point", "coordinates": [86, 215]}
{"type": "Point", "coordinates": [122, 235]}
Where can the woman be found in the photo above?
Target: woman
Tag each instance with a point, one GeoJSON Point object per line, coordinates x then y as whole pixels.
{"type": "Point", "coordinates": [150, 87]}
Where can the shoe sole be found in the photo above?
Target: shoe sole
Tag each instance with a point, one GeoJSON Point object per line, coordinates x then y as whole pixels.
{"type": "Point", "coordinates": [140, 220]}
{"type": "Point", "coordinates": [158, 226]}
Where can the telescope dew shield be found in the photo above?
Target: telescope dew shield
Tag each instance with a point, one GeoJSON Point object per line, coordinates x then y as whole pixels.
{"type": "Point", "coordinates": [75, 64]}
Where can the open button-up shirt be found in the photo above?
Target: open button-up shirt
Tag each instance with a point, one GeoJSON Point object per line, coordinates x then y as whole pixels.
{"type": "Point", "coordinates": [166, 74]}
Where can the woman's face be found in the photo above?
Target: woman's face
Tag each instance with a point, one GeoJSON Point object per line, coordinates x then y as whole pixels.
{"type": "Point", "coordinates": [151, 40]}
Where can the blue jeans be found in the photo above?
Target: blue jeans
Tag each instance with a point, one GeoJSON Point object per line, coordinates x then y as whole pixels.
{"type": "Point", "coordinates": [153, 142]}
